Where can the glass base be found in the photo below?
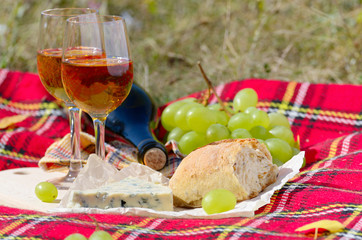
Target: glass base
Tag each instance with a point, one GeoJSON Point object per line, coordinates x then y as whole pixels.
{"type": "Point", "coordinates": [64, 183]}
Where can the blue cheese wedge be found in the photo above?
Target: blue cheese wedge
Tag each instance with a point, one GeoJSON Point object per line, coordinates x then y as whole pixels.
{"type": "Point", "coordinates": [129, 192]}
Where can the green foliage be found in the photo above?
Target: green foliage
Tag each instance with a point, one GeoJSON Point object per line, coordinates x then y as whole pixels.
{"type": "Point", "coordinates": [313, 40]}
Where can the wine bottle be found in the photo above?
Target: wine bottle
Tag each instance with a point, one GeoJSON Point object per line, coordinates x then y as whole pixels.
{"type": "Point", "coordinates": [132, 120]}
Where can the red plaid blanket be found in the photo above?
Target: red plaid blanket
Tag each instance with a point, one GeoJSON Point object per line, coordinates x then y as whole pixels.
{"type": "Point", "coordinates": [327, 117]}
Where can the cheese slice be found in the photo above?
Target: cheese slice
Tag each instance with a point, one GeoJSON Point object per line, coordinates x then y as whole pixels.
{"type": "Point", "coordinates": [129, 192]}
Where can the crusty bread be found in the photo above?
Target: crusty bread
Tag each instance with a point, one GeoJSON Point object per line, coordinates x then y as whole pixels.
{"type": "Point", "coordinates": [243, 166]}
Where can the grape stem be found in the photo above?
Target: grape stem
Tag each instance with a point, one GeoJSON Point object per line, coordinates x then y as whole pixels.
{"type": "Point", "coordinates": [95, 221]}
{"type": "Point", "coordinates": [212, 89]}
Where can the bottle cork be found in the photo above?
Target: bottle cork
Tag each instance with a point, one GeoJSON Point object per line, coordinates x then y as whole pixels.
{"type": "Point", "coordinates": [155, 158]}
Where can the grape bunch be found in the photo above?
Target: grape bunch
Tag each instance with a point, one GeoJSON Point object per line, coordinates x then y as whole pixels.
{"type": "Point", "coordinates": [193, 125]}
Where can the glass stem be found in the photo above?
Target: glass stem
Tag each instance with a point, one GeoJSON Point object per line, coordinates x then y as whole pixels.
{"type": "Point", "coordinates": [99, 135]}
{"type": "Point", "coordinates": [74, 121]}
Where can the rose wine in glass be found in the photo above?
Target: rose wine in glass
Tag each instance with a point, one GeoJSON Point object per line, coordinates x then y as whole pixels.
{"type": "Point", "coordinates": [49, 56]}
{"type": "Point", "coordinates": [97, 70]}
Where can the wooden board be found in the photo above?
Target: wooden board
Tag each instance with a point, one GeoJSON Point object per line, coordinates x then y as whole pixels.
{"type": "Point", "coordinates": [17, 188]}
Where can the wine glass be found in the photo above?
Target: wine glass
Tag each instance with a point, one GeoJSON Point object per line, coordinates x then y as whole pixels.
{"type": "Point", "coordinates": [97, 70]}
{"type": "Point", "coordinates": [49, 53]}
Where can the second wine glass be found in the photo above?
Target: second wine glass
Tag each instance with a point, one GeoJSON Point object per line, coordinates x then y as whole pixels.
{"type": "Point", "coordinates": [97, 70]}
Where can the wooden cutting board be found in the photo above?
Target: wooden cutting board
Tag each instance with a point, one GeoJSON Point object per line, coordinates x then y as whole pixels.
{"type": "Point", "coordinates": [17, 188]}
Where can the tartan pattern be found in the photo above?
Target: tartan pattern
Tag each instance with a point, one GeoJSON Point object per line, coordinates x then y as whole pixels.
{"type": "Point", "coordinates": [59, 153]}
{"type": "Point", "coordinates": [327, 117]}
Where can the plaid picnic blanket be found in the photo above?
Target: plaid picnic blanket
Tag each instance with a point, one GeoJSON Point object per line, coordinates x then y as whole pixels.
{"type": "Point", "coordinates": [327, 117]}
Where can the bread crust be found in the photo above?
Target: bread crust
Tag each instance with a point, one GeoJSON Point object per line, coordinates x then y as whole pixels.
{"type": "Point", "coordinates": [243, 166]}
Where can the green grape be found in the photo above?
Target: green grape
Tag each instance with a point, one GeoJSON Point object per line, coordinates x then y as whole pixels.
{"type": "Point", "coordinates": [260, 140]}
{"type": "Point", "coordinates": [168, 115]}
{"type": "Point", "coordinates": [277, 162]}
{"type": "Point", "coordinates": [215, 107]}
{"type": "Point", "coordinates": [221, 117]}
{"type": "Point", "coordinates": [190, 141]}
{"type": "Point", "coordinates": [279, 149]}
{"type": "Point", "coordinates": [46, 191]}
{"type": "Point", "coordinates": [240, 120]}
{"type": "Point", "coordinates": [180, 115]}
{"type": "Point", "coordinates": [260, 118]}
{"type": "Point", "coordinates": [260, 132]}
{"type": "Point", "coordinates": [175, 134]}
{"type": "Point", "coordinates": [217, 132]}
{"type": "Point", "coordinates": [284, 133]}
{"type": "Point", "coordinates": [240, 133]}
{"type": "Point", "coordinates": [251, 110]}
{"type": "Point", "coordinates": [100, 235]}
{"type": "Point", "coordinates": [76, 236]}
{"type": "Point", "coordinates": [218, 200]}
{"type": "Point", "coordinates": [278, 119]}
{"type": "Point", "coordinates": [245, 98]}
{"type": "Point", "coordinates": [295, 151]}
{"type": "Point", "coordinates": [200, 118]}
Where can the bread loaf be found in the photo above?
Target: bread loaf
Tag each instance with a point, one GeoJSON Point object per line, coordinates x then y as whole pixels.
{"type": "Point", "coordinates": [243, 166]}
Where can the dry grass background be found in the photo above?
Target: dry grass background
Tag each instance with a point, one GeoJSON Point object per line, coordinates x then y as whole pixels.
{"type": "Point", "coordinates": [318, 41]}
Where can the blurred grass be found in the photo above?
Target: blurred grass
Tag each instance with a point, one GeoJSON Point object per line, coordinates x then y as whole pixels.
{"type": "Point", "coordinates": [318, 41]}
